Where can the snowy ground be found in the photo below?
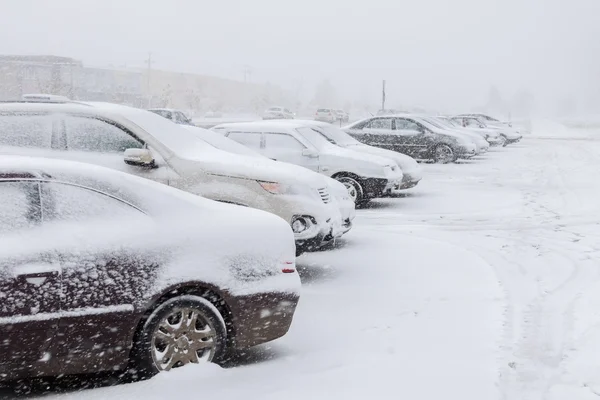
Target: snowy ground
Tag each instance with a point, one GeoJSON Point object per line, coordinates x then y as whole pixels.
{"type": "Point", "coordinates": [482, 283]}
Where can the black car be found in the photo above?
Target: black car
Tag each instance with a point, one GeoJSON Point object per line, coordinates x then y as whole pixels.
{"type": "Point", "coordinates": [104, 271]}
{"type": "Point", "coordinates": [410, 136]}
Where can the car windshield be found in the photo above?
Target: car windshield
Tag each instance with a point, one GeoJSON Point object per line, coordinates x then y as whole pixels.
{"type": "Point", "coordinates": [220, 142]}
{"type": "Point", "coordinates": [175, 137]}
{"type": "Point", "coordinates": [319, 141]}
{"type": "Point", "coordinates": [336, 135]}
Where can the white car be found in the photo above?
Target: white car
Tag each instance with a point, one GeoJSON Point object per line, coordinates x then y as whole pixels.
{"type": "Point", "coordinates": [278, 113]}
{"type": "Point", "coordinates": [145, 144]}
{"type": "Point", "coordinates": [508, 134]}
{"type": "Point", "coordinates": [326, 115]}
{"type": "Point", "coordinates": [411, 171]}
{"type": "Point", "coordinates": [342, 116]}
{"type": "Point", "coordinates": [365, 176]}
{"type": "Point", "coordinates": [337, 189]}
{"type": "Point", "coordinates": [490, 135]}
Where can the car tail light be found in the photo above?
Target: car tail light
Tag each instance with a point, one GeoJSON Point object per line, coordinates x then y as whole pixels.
{"type": "Point", "coordinates": [289, 267]}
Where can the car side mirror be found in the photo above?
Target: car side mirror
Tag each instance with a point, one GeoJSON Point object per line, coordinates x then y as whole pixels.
{"type": "Point", "coordinates": [309, 153]}
{"type": "Point", "coordinates": [140, 158]}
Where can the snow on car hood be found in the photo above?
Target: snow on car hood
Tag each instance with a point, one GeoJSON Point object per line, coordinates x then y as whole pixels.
{"type": "Point", "coordinates": [218, 162]}
{"type": "Point", "coordinates": [406, 163]}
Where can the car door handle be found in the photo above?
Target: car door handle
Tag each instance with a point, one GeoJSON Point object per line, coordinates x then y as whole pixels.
{"type": "Point", "coordinates": [36, 273]}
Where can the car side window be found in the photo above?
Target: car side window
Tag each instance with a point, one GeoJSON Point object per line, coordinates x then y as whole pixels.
{"type": "Point", "coordinates": [19, 205]}
{"type": "Point", "coordinates": [180, 118]}
{"type": "Point", "coordinates": [69, 203]}
{"type": "Point", "coordinates": [274, 141]}
{"type": "Point", "coordinates": [20, 130]}
{"type": "Point", "coordinates": [381, 123]}
{"type": "Point", "coordinates": [407, 125]}
{"type": "Point", "coordinates": [91, 134]}
{"type": "Point", "coordinates": [248, 139]}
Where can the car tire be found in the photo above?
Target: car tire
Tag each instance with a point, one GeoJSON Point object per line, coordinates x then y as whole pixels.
{"type": "Point", "coordinates": [504, 140]}
{"type": "Point", "coordinates": [443, 154]}
{"type": "Point", "coordinates": [355, 189]}
{"type": "Point", "coordinates": [169, 330]}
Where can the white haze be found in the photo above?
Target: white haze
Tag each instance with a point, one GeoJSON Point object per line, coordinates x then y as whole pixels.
{"type": "Point", "coordinates": [433, 53]}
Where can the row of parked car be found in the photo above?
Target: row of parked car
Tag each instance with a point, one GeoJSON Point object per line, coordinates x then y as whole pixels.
{"type": "Point", "coordinates": [109, 259]}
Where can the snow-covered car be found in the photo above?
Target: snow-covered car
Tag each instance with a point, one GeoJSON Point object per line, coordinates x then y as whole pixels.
{"type": "Point", "coordinates": [507, 134]}
{"type": "Point", "coordinates": [411, 171]}
{"type": "Point", "coordinates": [174, 115]}
{"type": "Point", "coordinates": [490, 135]}
{"type": "Point", "coordinates": [278, 113]}
{"type": "Point", "coordinates": [338, 191]}
{"type": "Point", "coordinates": [342, 116]}
{"type": "Point", "coordinates": [435, 124]}
{"type": "Point", "coordinates": [407, 135]}
{"type": "Point", "coordinates": [326, 115]}
{"type": "Point", "coordinates": [365, 176]}
{"type": "Point", "coordinates": [144, 144]}
{"type": "Point", "coordinates": [104, 271]}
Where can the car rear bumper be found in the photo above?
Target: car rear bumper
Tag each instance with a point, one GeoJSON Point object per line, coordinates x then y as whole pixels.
{"type": "Point", "coordinates": [262, 317]}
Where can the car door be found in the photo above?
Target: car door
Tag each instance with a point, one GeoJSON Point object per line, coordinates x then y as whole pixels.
{"type": "Point", "coordinates": [30, 284]}
{"type": "Point", "coordinates": [280, 146]}
{"type": "Point", "coordinates": [413, 137]}
{"type": "Point", "coordinates": [101, 280]}
{"type": "Point", "coordinates": [379, 132]}
{"type": "Point", "coordinates": [103, 142]}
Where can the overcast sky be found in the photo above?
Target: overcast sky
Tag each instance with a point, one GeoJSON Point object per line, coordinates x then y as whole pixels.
{"type": "Point", "coordinates": [439, 53]}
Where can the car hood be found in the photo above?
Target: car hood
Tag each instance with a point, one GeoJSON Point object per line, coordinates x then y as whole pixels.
{"type": "Point", "coordinates": [359, 156]}
{"type": "Point", "coordinates": [218, 162]}
{"type": "Point", "coordinates": [406, 163]}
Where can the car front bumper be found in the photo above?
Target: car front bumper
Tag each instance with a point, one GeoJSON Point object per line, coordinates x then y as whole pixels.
{"type": "Point", "coordinates": [466, 152]}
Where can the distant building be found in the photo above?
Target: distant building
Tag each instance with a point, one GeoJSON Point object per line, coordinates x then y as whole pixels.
{"type": "Point", "coordinates": [37, 74]}
{"type": "Point", "coordinates": [197, 94]}
{"type": "Point", "coordinates": [112, 85]}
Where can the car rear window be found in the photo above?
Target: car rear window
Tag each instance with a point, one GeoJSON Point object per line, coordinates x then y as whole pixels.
{"type": "Point", "coordinates": [323, 110]}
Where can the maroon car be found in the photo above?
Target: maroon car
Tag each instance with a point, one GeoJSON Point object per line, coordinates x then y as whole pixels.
{"type": "Point", "coordinates": [101, 270]}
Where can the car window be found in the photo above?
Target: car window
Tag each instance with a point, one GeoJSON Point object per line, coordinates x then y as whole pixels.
{"type": "Point", "coordinates": [91, 134]}
{"type": "Point", "coordinates": [180, 117]}
{"type": "Point", "coordinates": [282, 141]}
{"type": "Point", "coordinates": [26, 130]}
{"type": "Point", "coordinates": [249, 139]}
{"type": "Point", "coordinates": [407, 125]}
{"type": "Point", "coordinates": [64, 202]}
{"type": "Point", "coordinates": [163, 113]}
{"type": "Point", "coordinates": [381, 123]}
{"type": "Point", "coordinates": [323, 110]}
{"type": "Point", "coordinates": [19, 205]}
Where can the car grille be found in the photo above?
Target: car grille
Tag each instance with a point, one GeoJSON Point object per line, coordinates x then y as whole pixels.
{"type": "Point", "coordinates": [324, 192]}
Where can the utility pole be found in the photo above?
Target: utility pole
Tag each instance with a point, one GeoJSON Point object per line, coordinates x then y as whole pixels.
{"type": "Point", "coordinates": [383, 96]}
{"type": "Point", "coordinates": [149, 64]}
{"type": "Point", "coordinates": [247, 73]}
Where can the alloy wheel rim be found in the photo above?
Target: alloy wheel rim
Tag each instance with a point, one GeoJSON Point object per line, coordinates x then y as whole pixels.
{"type": "Point", "coordinates": [182, 337]}
{"type": "Point", "coordinates": [444, 154]}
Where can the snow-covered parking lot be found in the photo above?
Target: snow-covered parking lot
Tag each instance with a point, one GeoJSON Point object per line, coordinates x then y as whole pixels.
{"type": "Point", "coordinates": [481, 283]}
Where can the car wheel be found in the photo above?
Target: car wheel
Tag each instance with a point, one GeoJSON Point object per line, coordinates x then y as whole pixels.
{"type": "Point", "coordinates": [183, 330]}
{"type": "Point", "coordinates": [443, 154]}
{"type": "Point", "coordinates": [355, 189]}
{"type": "Point", "coordinates": [504, 140]}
